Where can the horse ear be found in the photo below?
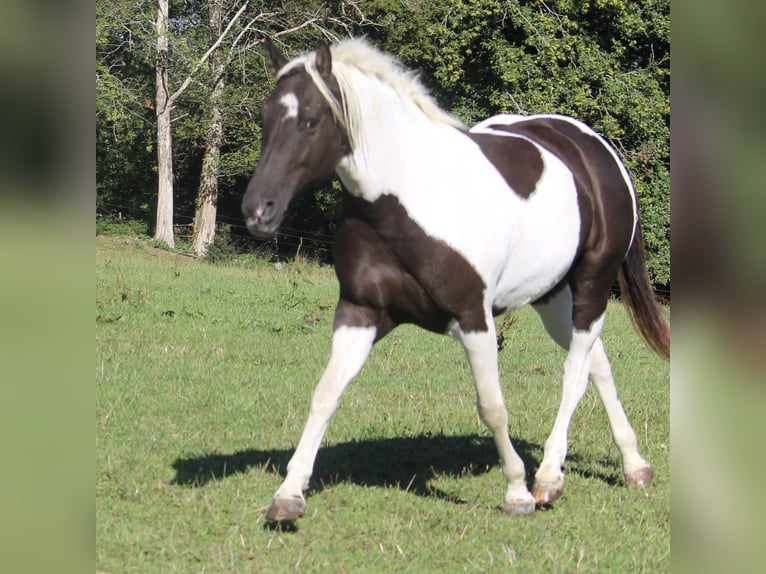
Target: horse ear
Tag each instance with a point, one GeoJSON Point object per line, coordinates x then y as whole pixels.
{"type": "Point", "coordinates": [275, 61]}
{"type": "Point", "coordinates": [324, 60]}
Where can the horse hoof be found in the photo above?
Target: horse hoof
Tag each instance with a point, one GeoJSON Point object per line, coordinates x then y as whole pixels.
{"type": "Point", "coordinates": [640, 478]}
{"type": "Point", "coordinates": [519, 507]}
{"type": "Point", "coordinates": [546, 492]}
{"type": "Point", "coordinates": [286, 509]}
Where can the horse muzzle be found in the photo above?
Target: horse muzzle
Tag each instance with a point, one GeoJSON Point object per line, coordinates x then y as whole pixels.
{"type": "Point", "coordinates": [260, 229]}
{"type": "Point", "coordinates": [262, 216]}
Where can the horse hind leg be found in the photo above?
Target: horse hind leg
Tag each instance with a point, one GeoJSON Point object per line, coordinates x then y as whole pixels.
{"type": "Point", "coordinates": [637, 471]}
{"type": "Point", "coordinates": [549, 478]}
{"type": "Point", "coordinates": [350, 348]}
{"type": "Point", "coordinates": [586, 358]}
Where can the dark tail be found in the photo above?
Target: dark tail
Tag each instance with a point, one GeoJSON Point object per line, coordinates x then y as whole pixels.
{"type": "Point", "coordinates": [638, 296]}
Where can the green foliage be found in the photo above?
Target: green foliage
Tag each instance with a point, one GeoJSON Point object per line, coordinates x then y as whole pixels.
{"type": "Point", "coordinates": [160, 244]}
{"type": "Point", "coordinates": [117, 226]}
{"type": "Point", "coordinates": [222, 250]}
{"type": "Point", "coordinates": [125, 129]}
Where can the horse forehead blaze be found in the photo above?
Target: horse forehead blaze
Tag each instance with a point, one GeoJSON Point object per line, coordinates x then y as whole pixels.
{"type": "Point", "coordinates": [291, 103]}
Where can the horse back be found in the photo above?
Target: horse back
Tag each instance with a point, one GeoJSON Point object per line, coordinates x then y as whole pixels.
{"type": "Point", "coordinates": [605, 195]}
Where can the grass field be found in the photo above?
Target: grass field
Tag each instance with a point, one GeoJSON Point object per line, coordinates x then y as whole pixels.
{"type": "Point", "coordinates": [203, 379]}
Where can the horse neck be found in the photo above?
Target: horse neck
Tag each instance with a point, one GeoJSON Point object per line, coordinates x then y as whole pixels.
{"type": "Point", "coordinates": [396, 139]}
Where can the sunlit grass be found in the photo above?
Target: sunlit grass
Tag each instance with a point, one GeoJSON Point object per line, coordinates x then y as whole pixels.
{"type": "Point", "coordinates": [203, 378]}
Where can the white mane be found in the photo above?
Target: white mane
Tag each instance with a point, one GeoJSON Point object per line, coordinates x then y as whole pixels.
{"type": "Point", "coordinates": [356, 54]}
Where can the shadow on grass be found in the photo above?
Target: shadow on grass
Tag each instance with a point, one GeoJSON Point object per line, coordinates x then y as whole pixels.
{"type": "Point", "coordinates": [606, 470]}
{"type": "Point", "coordinates": [407, 463]}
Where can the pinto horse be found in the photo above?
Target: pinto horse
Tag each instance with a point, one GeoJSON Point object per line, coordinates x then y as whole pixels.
{"type": "Point", "coordinates": [446, 227]}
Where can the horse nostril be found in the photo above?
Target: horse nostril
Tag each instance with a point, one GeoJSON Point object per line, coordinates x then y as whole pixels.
{"type": "Point", "coordinates": [258, 210]}
{"type": "Point", "coordinates": [266, 210]}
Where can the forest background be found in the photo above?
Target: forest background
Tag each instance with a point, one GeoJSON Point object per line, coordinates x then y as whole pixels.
{"type": "Point", "coordinates": [189, 77]}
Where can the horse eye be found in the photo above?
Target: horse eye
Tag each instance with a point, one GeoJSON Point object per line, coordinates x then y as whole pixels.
{"type": "Point", "coordinates": [310, 123]}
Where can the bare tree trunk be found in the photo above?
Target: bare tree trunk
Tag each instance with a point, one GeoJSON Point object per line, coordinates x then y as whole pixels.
{"type": "Point", "coordinates": [207, 195]}
{"type": "Point", "coordinates": [163, 105]}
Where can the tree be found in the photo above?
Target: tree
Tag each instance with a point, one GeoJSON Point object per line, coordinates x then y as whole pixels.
{"type": "Point", "coordinates": [207, 196]}
{"type": "Point", "coordinates": [276, 20]}
{"type": "Point", "coordinates": [164, 103]}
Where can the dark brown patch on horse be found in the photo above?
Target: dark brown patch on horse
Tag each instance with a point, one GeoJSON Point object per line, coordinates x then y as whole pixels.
{"type": "Point", "coordinates": [518, 161]}
{"type": "Point", "coordinates": [391, 272]}
{"type": "Point", "coordinates": [603, 197]}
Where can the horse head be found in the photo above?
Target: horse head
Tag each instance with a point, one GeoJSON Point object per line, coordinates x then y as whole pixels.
{"type": "Point", "coordinates": [302, 139]}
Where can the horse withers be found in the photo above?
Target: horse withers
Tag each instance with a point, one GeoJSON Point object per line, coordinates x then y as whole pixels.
{"type": "Point", "coordinates": [446, 227]}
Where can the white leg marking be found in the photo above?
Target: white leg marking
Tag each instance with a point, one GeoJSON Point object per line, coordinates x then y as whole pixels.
{"type": "Point", "coordinates": [549, 478]}
{"type": "Point", "coordinates": [481, 350]}
{"type": "Point", "coordinates": [350, 348]}
{"type": "Point", "coordinates": [622, 432]}
{"type": "Point", "coordinates": [556, 315]}
{"type": "Point", "coordinates": [290, 102]}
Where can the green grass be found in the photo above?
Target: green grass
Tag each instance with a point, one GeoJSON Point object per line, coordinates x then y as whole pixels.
{"type": "Point", "coordinates": [203, 379]}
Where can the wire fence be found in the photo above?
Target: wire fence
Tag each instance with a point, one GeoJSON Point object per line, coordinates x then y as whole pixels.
{"type": "Point", "coordinates": [286, 242]}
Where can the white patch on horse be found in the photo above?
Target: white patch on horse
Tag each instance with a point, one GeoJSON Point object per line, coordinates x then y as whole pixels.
{"type": "Point", "coordinates": [290, 102]}
{"type": "Point", "coordinates": [353, 60]}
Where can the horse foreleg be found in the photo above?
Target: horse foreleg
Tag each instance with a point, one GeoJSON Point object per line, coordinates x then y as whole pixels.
{"type": "Point", "coordinates": [350, 348]}
{"type": "Point", "coordinates": [638, 472]}
{"type": "Point", "coordinates": [549, 479]}
{"type": "Point", "coordinates": [481, 350]}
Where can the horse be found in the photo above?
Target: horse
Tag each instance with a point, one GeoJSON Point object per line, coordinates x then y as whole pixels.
{"type": "Point", "coordinates": [447, 227]}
